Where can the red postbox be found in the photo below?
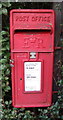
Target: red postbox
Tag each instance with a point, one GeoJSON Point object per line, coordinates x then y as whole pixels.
{"type": "Point", "coordinates": [32, 51]}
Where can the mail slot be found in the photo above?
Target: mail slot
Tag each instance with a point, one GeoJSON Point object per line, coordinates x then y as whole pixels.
{"type": "Point", "coordinates": [32, 54]}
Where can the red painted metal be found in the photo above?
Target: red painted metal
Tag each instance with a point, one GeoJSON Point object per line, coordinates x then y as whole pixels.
{"type": "Point", "coordinates": [32, 33]}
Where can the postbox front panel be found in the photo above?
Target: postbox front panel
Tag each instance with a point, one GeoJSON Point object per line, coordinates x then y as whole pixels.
{"type": "Point", "coordinates": [32, 47]}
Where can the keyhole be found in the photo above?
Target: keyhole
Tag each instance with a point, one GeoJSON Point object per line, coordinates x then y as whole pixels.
{"type": "Point", "coordinates": [20, 78]}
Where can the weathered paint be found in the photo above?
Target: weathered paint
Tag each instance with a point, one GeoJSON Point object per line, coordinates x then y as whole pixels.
{"type": "Point", "coordinates": [32, 33]}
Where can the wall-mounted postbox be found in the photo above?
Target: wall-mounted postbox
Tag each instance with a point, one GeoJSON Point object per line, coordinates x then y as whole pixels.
{"type": "Point", "coordinates": [32, 51]}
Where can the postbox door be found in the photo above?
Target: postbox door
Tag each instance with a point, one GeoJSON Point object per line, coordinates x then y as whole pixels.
{"type": "Point", "coordinates": [30, 92]}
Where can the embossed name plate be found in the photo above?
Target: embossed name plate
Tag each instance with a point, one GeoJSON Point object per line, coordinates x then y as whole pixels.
{"type": "Point", "coordinates": [33, 19]}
